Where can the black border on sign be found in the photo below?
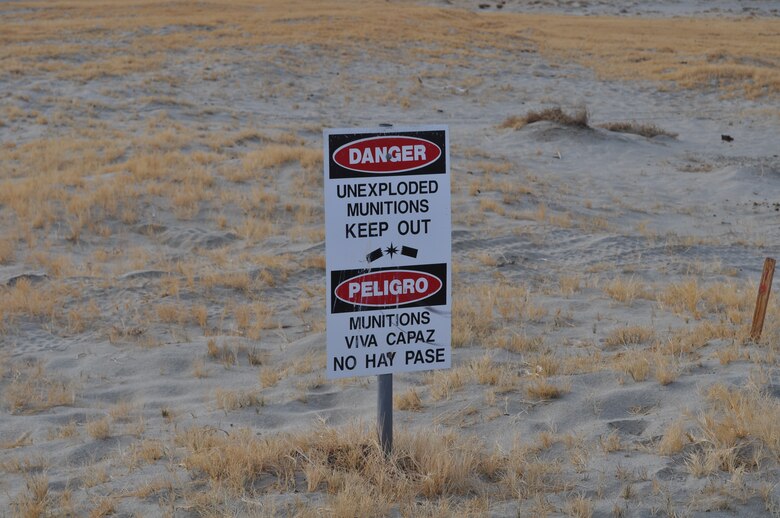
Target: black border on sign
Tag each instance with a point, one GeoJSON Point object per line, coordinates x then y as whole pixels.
{"type": "Point", "coordinates": [336, 172]}
{"type": "Point", "coordinates": [437, 299]}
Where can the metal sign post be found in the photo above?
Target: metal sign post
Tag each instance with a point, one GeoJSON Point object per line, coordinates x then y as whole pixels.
{"type": "Point", "coordinates": [384, 412]}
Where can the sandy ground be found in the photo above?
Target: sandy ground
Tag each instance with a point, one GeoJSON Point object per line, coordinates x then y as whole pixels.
{"type": "Point", "coordinates": [562, 236]}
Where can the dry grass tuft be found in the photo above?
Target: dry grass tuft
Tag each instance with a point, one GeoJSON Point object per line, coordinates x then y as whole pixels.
{"type": "Point", "coordinates": [24, 439]}
{"type": "Point", "coordinates": [517, 343]}
{"type": "Point", "coordinates": [100, 428]}
{"type": "Point", "coordinates": [541, 388]}
{"type": "Point", "coordinates": [103, 506]}
{"type": "Point", "coordinates": [409, 400]}
{"type": "Point", "coordinates": [577, 119]}
{"type": "Point", "coordinates": [736, 431]}
{"type": "Point", "coordinates": [7, 251]}
{"type": "Point", "coordinates": [629, 335]}
{"type": "Point", "coordinates": [480, 311]}
{"type": "Point", "coordinates": [636, 365]}
{"type": "Point", "coordinates": [578, 507]}
{"type": "Point", "coordinates": [674, 439]}
{"type": "Point", "coordinates": [741, 413]}
{"type": "Point", "coordinates": [270, 376]}
{"type": "Point", "coordinates": [231, 400]}
{"type": "Point", "coordinates": [666, 369]}
{"type": "Point", "coordinates": [611, 442]}
{"type": "Point", "coordinates": [36, 301]}
{"type": "Point", "coordinates": [146, 451]}
{"type": "Point", "coordinates": [683, 296]}
{"type": "Point", "coordinates": [199, 369]}
{"type": "Point", "coordinates": [444, 383]}
{"type": "Point", "coordinates": [625, 289]}
{"type": "Point", "coordinates": [346, 463]}
{"type": "Point", "coordinates": [224, 353]}
{"type": "Point", "coordinates": [276, 155]}
{"type": "Point", "coordinates": [569, 284]}
{"type": "Point", "coordinates": [644, 130]}
{"type": "Point", "coordinates": [32, 390]}
{"type": "Point", "coordinates": [36, 500]}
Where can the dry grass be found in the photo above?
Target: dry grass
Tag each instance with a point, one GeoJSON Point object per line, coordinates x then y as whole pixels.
{"type": "Point", "coordinates": [731, 353]}
{"type": "Point", "coordinates": [103, 506]}
{"type": "Point", "coordinates": [636, 365]}
{"type": "Point", "coordinates": [674, 439]}
{"type": "Point", "coordinates": [32, 389]}
{"type": "Point", "coordinates": [683, 296]}
{"type": "Point", "coordinates": [35, 500]}
{"type": "Point", "coordinates": [736, 432]}
{"type": "Point", "coordinates": [24, 439]}
{"type": "Point", "coordinates": [277, 155]}
{"type": "Point", "coordinates": [695, 53]}
{"type": "Point", "coordinates": [347, 464]}
{"type": "Point", "coordinates": [444, 383]}
{"type": "Point", "coordinates": [234, 399]}
{"type": "Point", "coordinates": [577, 119]}
{"type": "Point", "coordinates": [147, 451]}
{"type": "Point", "coordinates": [481, 311]}
{"type": "Point", "coordinates": [66, 192]}
{"type": "Point", "coordinates": [625, 289]}
{"type": "Point", "coordinates": [224, 353]}
{"type": "Point", "coordinates": [578, 507]}
{"type": "Point", "coordinates": [40, 301]}
{"type": "Point", "coordinates": [199, 369]}
{"type": "Point", "coordinates": [99, 428]}
{"type": "Point", "coordinates": [7, 251]}
{"type": "Point", "coordinates": [666, 369]}
{"type": "Point", "coordinates": [629, 335]}
{"type": "Point", "coordinates": [540, 388]}
{"type": "Point", "coordinates": [517, 343]}
{"type": "Point", "coordinates": [408, 400]}
{"type": "Point", "coordinates": [122, 411]}
{"type": "Point", "coordinates": [611, 442]}
{"type": "Point", "coordinates": [688, 340]}
{"type": "Point", "coordinates": [569, 284]}
{"type": "Point", "coordinates": [645, 130]}
{"type": "Point", "coordinates": [740, 413]}
{"type": "Point", "coordinates": [270, 376]}
{"type": "Point", "coordinates": [690, 51]}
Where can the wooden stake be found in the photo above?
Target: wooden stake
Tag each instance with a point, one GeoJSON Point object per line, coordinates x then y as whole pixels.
{"type": "Point", "coordinates": [764, 288]}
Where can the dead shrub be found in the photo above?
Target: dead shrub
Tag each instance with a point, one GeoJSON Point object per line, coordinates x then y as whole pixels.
{"type": "Point", "coordinates": [636, 128]}
{"type": "Point", "coordinates": [629, 335]}
{"type": "Point", "coordinates": [409, 400]}
{"type": "Point", "coordinates": [577, 119]}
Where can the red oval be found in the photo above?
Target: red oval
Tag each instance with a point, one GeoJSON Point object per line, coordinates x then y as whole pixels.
{"type": "Point", "coordinates": [388, 288]}
{"type": "Point", "coordinates": [394, 154]}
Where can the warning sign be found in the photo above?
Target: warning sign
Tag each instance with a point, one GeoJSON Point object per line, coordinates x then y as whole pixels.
{"type": "Point", "coordinates": [387, 250]}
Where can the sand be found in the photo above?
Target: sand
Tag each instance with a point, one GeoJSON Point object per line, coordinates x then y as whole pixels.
{"type": "Point", "coordinates": [199, 304]}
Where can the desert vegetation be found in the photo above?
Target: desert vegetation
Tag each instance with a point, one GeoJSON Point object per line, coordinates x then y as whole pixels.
{"type": "Point", "coordinates": [162, 262]}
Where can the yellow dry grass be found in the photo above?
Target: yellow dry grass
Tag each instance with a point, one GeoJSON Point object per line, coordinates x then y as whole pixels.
{"type": "Point", "coordinates": [31, 389]}
{"type": "Point", "coordinates": [347, 464]}
{"type": "Point", "coordinates": [629, 335]}
{"type": "Point", "coordinates": [674, 439]}
{"type": "Point", "coordinates": [625, 289]}
{"type": "Point", "coordinates": [736, 432]}
{"type": "Point", "coordinates": [35, 500]}
{"type": "Point", "coordinates": [540, 388]}
{"type": "Point", "coordinates": [577, 119]}
{"type": "Point", "coordinates": [741, 53]}
{"type": "Point", "coordinates": [408, 400]}
{"type": "Point", "coordinates": [99, 428]}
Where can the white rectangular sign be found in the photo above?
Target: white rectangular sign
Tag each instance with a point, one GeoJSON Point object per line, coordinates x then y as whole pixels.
{"type": "Point", "coordinates": [387, 250]}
